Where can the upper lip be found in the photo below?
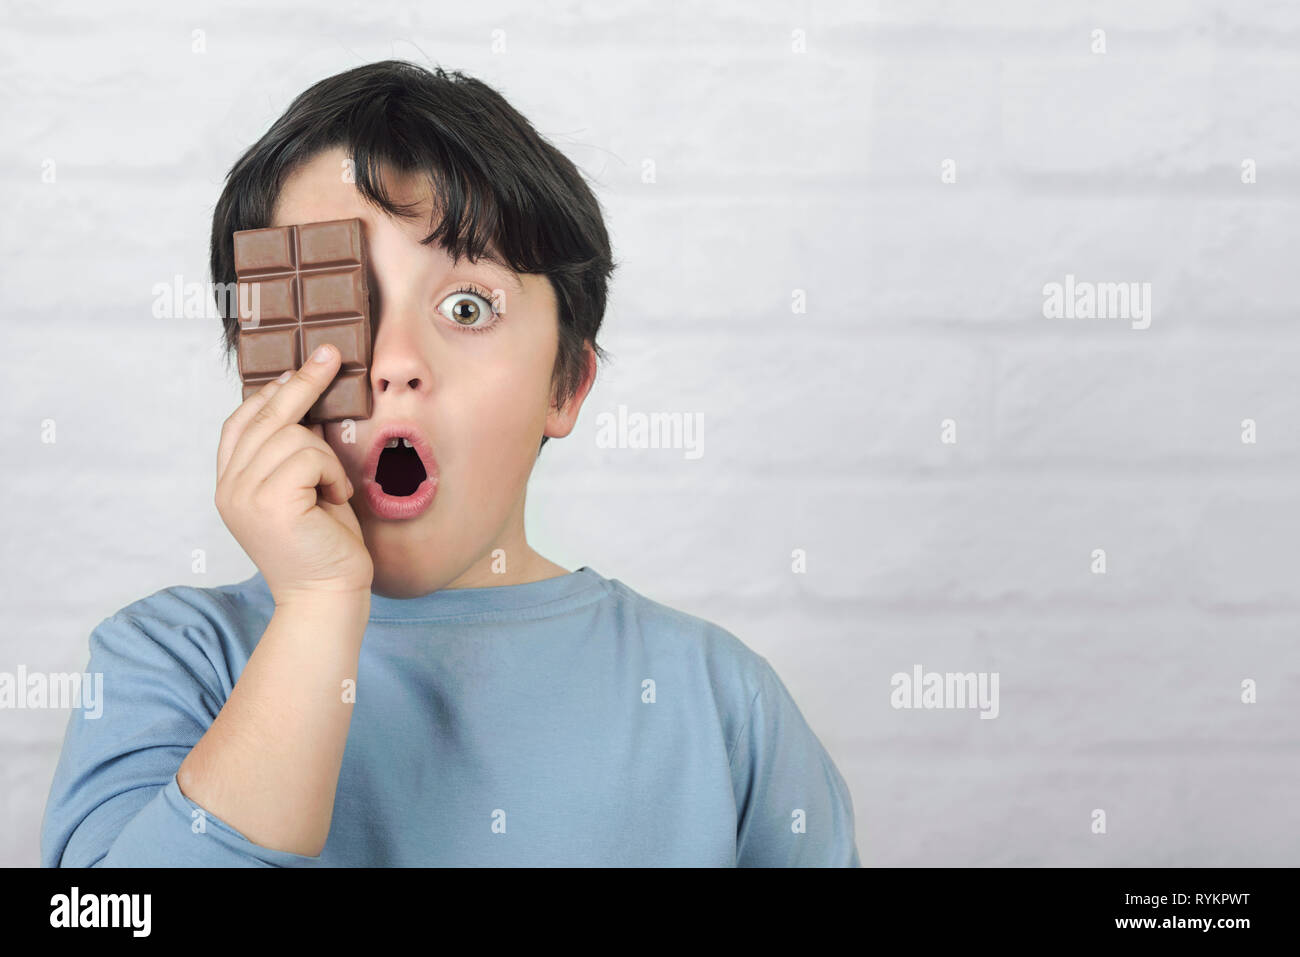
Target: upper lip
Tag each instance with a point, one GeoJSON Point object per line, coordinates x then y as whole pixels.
{"type": "Point", "coordinates": [401, 430]}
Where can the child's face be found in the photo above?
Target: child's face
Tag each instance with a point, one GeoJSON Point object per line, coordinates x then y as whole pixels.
{"type": "Point", "coordinates": [480, 399]}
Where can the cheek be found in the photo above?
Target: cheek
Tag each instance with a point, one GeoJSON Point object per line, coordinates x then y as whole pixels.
{"type": "Point", "coordinates": [498, 417]}
{"type": "Point", "coordinates": [345, 442]}
{"type": "Point", "coordinates": [512, 390]}
{"type": "Point", "coordinates": [496, 413]}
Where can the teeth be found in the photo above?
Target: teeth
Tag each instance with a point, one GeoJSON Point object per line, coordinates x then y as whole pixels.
{"type": "Point", "coordinates": [391, 443]}
{"type": "Point", "coordinates": [407, 443]}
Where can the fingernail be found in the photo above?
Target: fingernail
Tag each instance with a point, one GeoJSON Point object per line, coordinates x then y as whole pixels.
{"type": "Point", "coordinates": [322, 354]}
{"type": "Point", "coordinates": [285, 376]}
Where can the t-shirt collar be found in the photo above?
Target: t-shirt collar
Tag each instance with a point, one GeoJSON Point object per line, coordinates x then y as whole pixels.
{"type": "Point", "coordinates": [481, 603]}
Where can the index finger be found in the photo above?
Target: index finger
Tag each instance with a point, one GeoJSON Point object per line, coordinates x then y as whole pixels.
{"type": "Point", "coordinates": [234, 426]}
{"type": "Point", "coordinates": [284, 405]}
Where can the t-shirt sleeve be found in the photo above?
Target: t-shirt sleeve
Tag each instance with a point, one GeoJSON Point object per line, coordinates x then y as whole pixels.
{"type": "Point", "coordinates": [115, 800]}
{"type": "Point", "coordinates": [793, 806]}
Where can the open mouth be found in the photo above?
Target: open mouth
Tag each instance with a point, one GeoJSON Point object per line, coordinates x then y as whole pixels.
{"type": "Point", "coordinates": [400, 471]}
{"type": "Point", "coordinates": [401, 474]}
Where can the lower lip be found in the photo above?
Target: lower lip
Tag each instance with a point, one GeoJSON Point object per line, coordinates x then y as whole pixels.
{"type": "Point", "coordinates": [403, 507]}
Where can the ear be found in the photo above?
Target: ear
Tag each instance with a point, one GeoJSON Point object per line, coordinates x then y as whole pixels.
{"type": "Point", "coordinates": [561, 420]}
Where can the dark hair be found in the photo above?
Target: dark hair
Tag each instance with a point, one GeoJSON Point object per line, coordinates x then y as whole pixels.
{"type": "Point", "coordinates": [498, 186]}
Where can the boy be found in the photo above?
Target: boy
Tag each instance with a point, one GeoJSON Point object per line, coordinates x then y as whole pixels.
{"type": "Point", "coordinates": [501, 710]}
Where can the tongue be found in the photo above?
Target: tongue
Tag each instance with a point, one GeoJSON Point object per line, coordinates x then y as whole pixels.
{"type": "Point", "coordinates": [400, 471]}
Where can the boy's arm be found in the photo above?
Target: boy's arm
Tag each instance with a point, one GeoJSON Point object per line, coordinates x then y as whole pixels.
{"type": "Point", "coordinates": [116, 799]}
{"type": "Point", "coordinates": [793, 806]}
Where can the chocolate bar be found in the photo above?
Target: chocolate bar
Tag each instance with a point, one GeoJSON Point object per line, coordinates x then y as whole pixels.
{"type": "Point", "coordinates": [300, 287]}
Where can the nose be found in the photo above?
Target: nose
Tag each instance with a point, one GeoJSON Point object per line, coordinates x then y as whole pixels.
{"type": "Point", "coordinates": [398, 375]}
{"type": "Point", "coordinates": [397, 365]}
{"type": "Point", "coordinates": [393, 381]}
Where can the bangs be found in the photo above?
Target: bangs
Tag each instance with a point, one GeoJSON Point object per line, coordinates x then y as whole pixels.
{"type": "Point", "coordinates": [465, 215]}
{"type": "Point", "coordinates": [488, 199]}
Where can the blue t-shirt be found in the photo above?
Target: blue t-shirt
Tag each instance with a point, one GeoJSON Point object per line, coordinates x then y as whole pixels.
{"type": "Point", "coordinates": [564, 722]}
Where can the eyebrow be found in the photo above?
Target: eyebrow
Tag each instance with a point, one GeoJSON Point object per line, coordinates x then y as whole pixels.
{"type": "Point", "coordinates": [504, 267]}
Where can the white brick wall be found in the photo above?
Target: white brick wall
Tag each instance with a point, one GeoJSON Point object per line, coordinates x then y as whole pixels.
{"type": "Point", "coordinates": [775, 171]}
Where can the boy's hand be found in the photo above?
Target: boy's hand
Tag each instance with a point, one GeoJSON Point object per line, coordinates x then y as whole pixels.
{"type": "Point", "coordinates": [269, 470]}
